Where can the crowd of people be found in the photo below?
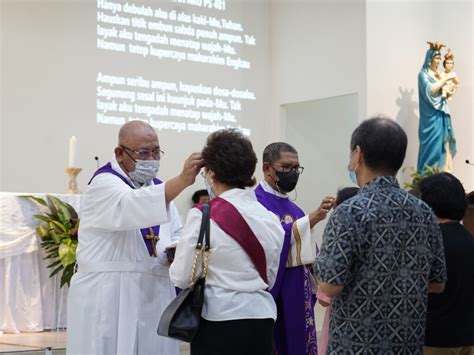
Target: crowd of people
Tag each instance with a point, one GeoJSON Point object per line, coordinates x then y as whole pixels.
{"type": "Point", "coordinates": [395, 272]}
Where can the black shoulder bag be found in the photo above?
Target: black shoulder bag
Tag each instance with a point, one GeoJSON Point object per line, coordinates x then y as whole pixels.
{"type": "Point", "coordinates": [180, 320]}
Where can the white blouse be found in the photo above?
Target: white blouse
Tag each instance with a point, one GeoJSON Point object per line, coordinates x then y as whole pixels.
{"type": "Point", "coordinates": [234, 289]}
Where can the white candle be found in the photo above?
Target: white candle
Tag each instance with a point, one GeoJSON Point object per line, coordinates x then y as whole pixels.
{"type": "Point", "coordinates": [72, 151]}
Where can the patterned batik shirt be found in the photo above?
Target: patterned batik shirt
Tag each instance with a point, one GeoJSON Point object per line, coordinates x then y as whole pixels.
{"type": "Point", "coordinates": [384, 246]}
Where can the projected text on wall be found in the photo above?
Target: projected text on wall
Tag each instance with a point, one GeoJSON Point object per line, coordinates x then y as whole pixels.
{"type": "Point", "coordinates": [188, 58]}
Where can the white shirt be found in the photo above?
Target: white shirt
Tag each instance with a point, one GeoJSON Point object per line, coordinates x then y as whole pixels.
{"type": "Point", "coordinates": [119, 292]}
{"type": "Point", "coordinates": [234, 289]}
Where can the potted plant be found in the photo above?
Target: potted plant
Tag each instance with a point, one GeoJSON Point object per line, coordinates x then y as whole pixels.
{"type": "Point", "coordinates": [413, 186]}
{"type": "Point", "coordinates": [58, 234]}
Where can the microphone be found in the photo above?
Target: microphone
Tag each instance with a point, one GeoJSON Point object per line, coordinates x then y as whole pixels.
{"type": "Point", "coordinates": [97, 159]}
{"type": "Point", "coordinates": [468, 162]}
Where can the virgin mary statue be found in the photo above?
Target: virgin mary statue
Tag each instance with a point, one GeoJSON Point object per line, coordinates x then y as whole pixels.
{"type": "Point", "coordinates": [437, 143]}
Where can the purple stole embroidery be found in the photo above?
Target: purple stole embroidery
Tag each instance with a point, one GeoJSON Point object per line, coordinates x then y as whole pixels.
{"type": "Point", "coordinates": [295, 330]}
{"type": "Point", "coordinates": [231, 221]}
{"type": "Point", "coordinates": [107, 168]}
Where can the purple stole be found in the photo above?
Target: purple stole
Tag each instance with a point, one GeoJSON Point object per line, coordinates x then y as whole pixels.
{"type": "Point", "coordinates": [231, 221]}
{"type": "Point", "coordinates": [295, 329]}
{"type": "Point", "coordinates": [107, 168]}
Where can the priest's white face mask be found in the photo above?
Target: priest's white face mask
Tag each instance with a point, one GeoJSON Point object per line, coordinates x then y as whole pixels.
{"type": "Point", "coordinates": [145, 171]}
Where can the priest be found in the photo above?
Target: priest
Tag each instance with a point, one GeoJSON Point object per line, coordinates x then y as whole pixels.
{"type": "Point", "coordinates": [128, 220]}
{"type": "Point", "coordinates": [294, 289]}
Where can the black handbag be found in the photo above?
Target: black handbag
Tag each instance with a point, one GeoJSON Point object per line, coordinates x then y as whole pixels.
{"type": "Point", "coordinates": [180, 320]}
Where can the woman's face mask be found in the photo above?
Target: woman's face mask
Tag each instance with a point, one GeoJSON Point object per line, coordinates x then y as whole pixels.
{"type": "Point", "coordinates": [208, 186]}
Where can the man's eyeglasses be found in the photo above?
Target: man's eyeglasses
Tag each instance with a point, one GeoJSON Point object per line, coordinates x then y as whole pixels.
{"type": "Point", "coordinates": [286, 168]}
{"type": "Point", "coordinates": [143, 154]}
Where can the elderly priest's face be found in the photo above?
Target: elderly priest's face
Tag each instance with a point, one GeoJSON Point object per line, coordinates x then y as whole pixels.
{"type": "Point", "coordinates": [137, 141]}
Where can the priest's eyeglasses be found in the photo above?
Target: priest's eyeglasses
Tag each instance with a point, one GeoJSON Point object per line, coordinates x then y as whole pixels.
{"type": "Point", "coordinates": [143, 154]}
{"type": "Point", "coordinates": [286, 168]}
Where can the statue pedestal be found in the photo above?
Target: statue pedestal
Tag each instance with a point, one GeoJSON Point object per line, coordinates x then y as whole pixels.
{"type": "Point", "coordinates": [72, 173]}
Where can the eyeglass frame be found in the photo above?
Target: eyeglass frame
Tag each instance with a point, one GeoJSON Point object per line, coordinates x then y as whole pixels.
{"type": "Point", "coordinates": [142, 151]}
{"type": "Point", "coordinates": [287, 169]}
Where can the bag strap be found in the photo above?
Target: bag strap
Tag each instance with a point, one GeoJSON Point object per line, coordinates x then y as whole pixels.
{"type": "Point", "coordinates": [204, 236]}
{"type": "Point", "coordinates": [231, 221]}
{"type": "Point", "coordinates": [204, 230]}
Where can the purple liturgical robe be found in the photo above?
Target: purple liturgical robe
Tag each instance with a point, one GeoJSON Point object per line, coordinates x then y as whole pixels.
{"type": "Point", "coordinates": [295, 329]}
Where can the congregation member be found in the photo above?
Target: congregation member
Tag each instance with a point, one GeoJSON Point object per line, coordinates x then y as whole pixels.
{"type": "Point", "coordinates": [450, 318]}
{"type": "Point", "coordinates": [325, 301]}
{"type": "Point", "coordinates": [122, 284]}
{"type": "Point", "coordinates": [294, 290]}
{"type": "Point", "coordinates": [246, 241]}
{"type": "Point", "coordinates": [200, 196]}
{"type": "Point", "coordinates": [382, 252]}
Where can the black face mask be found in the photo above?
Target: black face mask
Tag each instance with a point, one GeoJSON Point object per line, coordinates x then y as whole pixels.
{"type": "Point", "coordinates": [287, 181]}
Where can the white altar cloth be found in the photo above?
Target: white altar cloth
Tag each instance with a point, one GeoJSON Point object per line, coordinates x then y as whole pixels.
{"type": "Point", "coordinates": [30, 301]}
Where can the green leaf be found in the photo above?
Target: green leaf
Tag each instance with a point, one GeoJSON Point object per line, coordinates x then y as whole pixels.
{"type": "Point", "coordinates": [52, 250]}
{"type": "Point", "coordinates": [55, 271]}
{"type": "Point", "coordinates": [67, 252]}
{"type": "Point", "coordinates": [60, 207]}
{"type": "Point", "coordinates": [57, 262]}
{"type": "Point", "coordinates": [67, 274]}
{"type": "Point", "coordinates": [34, 198]}
{"type": "Point", "coordinates": [52, 255]}
{"type": "Point", "coordinates": [59, 226]}
{"type": "Point", "coordinates": [52, 208]}
{"type": "Point", "coordinates": [42, 218]}
{"type": "Point", "coordinates": [55, 236]}
{"type": "Point", "coordinates": [42, 231]}
{"type": "Point", "coordinates": [72, 211]}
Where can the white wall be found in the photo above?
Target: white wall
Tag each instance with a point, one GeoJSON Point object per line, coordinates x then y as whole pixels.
{"type": "Point", "coordinates": [318, 51]}
{"type": "Point", "coordinates": [313, 127]}
{"type": "Point", "coordinates": [308, 50]}
{"type": "Point", "coordinates": [397, 32]}
{"type": "Point", "coordinates": [318, 56]}
{"type": "Point", "coordinates": [48, 73]}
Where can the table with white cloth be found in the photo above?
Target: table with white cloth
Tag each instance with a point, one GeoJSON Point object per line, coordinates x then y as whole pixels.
{"type": "Point", "coordinates": [30, 301]}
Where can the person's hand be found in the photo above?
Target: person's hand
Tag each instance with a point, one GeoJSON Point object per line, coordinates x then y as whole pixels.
{"type": "Point", "coordinates": [192, 166]}
{"type": "Point", "coordinates": [322, 211]}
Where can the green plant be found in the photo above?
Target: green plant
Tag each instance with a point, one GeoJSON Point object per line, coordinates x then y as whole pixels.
{"type": "Point", "coordinates": [58, 234]}
{"type": "Point", "coordinates": [413, 186]}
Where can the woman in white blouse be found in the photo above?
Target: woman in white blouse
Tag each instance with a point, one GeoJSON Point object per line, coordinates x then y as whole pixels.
{"type": "Point", "coordinates": [238, 312]}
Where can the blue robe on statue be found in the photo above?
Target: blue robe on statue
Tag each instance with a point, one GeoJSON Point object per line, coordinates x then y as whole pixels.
{"type": "Point", "coordinates": [435, 131]}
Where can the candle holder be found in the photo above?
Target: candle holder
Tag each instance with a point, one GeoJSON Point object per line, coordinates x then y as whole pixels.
{"type": "Point", "coordinates": [73, 172]}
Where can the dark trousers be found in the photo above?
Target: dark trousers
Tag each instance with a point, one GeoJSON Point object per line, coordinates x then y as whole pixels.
{"type": "Point", "coordinates": [234, 337]}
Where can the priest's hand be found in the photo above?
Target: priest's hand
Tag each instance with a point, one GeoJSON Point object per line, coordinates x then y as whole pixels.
{"type": "Point", "coordinates": [321, 212]}
{"type": "Point", "coordinates": [192, 166]}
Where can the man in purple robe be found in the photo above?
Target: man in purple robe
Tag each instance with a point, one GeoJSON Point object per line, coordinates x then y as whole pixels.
{"type": "Point", "coordinates": [295, 329]}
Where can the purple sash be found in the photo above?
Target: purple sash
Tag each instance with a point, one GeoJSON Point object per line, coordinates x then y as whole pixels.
{"type": "Point", "coordinates": [107, 168]}
{"type": "Point", "coordinates": [232, 222]}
